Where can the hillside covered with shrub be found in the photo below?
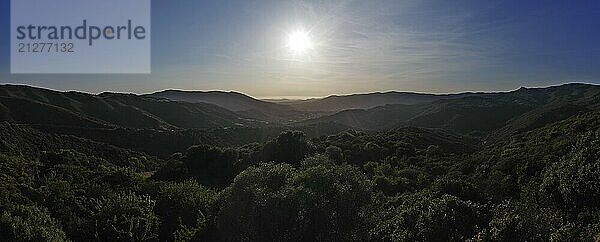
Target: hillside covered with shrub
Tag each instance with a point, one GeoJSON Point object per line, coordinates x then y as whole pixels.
{"type": "Point", "coordinates": [534, 175]}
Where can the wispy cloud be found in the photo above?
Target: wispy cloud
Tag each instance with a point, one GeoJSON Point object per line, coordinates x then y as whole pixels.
{"type": "Point", "coordinates": [371, 46]}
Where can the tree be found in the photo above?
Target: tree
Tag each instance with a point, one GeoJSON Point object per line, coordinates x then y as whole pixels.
{"type": "Point", "coordinates": [290, 147]}
{"type": "Point", "coordinates": [211, 166]}
{"type": "Point", "coordinates": [318, 201]}
{"type": "Point", "coordinates": [183, 208]}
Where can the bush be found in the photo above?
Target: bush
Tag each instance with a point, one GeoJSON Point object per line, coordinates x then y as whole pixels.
{"type": "Point", "coordinates": [424, 217]}
{"type": "Point", "coordinates": [574, 181]}
{"type": "Point", "coordinates": [29, 223]}
{"type": "Point", "coordinates": [125, 217]}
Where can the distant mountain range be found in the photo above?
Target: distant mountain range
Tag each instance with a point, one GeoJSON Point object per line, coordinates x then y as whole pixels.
{"type": "Point", "coordinates": [29, 105]}
{"type": "Point", "coordinates": [473, 113]}
{"type": "Point", "coordinates": [237, 102]}
{"type": "Point", "coordinates": [522, 109]}
{"type": "Point", "coordinates": [370, 100]}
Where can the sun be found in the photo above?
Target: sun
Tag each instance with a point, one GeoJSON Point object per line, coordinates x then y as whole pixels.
{"type": "Point", "coordinates": [299, 42]}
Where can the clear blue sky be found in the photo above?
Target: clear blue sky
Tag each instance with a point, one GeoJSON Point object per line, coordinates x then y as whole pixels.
{"type": "Point", "coordinates": [359, 46]}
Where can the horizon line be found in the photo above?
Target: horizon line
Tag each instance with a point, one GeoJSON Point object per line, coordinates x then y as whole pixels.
{"type": "Point", "coordinates": [299, 98]}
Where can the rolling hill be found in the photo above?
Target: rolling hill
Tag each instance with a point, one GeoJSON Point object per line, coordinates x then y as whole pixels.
{"type": "Point", "coordinates": [516, 111]}
{"type": "Point", "coordinates": [18, 140]}
{"type": "Point", "coordinates": [237, 102]}
{"type": "Point", "coordinates": [370, 100]}
{"type": "Point", "coordinates": [523, 109]}
{"type": "Point", "coordinates": [29, 105]}
{"type": "Point", "coordinates": [74, 165]}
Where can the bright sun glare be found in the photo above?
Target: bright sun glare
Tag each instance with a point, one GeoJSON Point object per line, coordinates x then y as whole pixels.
{"type": "Point", "coordinates": [299, 42]}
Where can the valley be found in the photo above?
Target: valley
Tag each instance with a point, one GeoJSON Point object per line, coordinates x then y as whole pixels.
{"type": "Point", "coordinates": [222, 166]}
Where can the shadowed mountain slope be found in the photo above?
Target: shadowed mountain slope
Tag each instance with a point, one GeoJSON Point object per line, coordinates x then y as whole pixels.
{"type": "Point", "coordinates": [369, 100]}
{"type": "Point", "coordinates": [523, 109]}
{"type": "Point", "coordinates": [237, 102]}
{"type": "Point", "coordinates": [29, 105]}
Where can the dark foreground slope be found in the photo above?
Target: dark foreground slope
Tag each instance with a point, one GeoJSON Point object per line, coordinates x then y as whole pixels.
{"type": "Point", "coordinates": [56, 187]}
{"type": "Point", "coordinates": [17, 140]}
{"type": "Point", "coordinates": [407, 184]}
{"type": "Point", "coordinates": [163, 143]}
{"type": "Point", "coordinates": [544, 183]}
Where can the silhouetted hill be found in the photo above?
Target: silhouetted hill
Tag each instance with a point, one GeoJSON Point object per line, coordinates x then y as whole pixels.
{"type": "Point", "coordinates": [462, 115]}
{"type": "Point", "coordinates": [369, 100]}
{"type": "Point", "coordinates": [29, 105]}
{"type": "Point", "coordinates": [178, 114]}
{"type": "Point", "coordinates": [529, 108]}
{"type": "Point", "coordinates": [28, 111]}
{"type": "Point", "coordinates": [557, 103]}
{"type": "Point", "coordinates": [237, 102]}
{"type": "Point", "coordinates": [374, 118]}
{"type": "Point", "coordinates": [516, 111]}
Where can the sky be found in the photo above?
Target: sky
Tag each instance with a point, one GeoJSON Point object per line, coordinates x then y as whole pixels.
{"type": "Point", "coordinates": [358, 46]}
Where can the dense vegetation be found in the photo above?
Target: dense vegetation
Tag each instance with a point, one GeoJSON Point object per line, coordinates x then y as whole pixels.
{"type": "Point", "coordinates": [535, 176]}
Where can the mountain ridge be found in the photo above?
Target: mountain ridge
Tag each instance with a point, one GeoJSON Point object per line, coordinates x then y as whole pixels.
{"type": "Point", "coordinates": [173, 109]}
{"type": "Point", "coordinates": [240, 103]}
{"type": "Point", "coordinates": [484, 112]}
{"type": "Point", "coordinates": [24, 104]}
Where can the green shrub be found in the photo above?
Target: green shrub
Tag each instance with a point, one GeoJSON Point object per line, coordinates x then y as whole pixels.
{"type": "Point", "coordinates": [125, 217]}
{"type": "Point", "coordinates": [29, 223]}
